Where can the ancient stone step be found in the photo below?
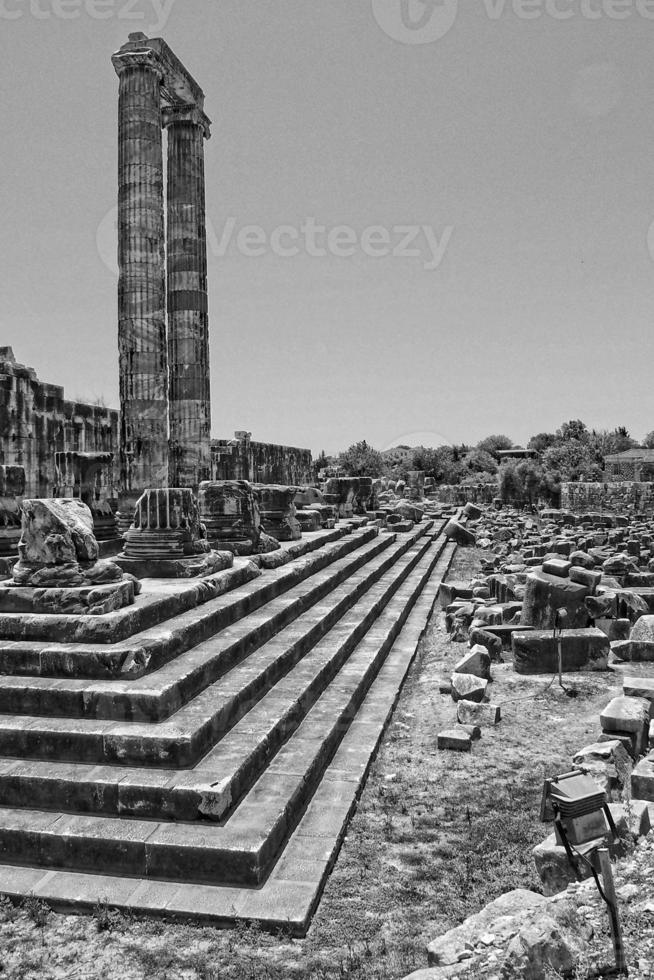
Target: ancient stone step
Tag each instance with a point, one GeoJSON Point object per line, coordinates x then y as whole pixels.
{"type": "Point", "coordinates": [152, 648]}
{"type": "Point", "coordinates": [290, 894]}
{"type": "Point", "coordinates": [244, 848]}
{"type": "Point", "coordinates": [189, 733]}
{"type": "Point", "coordinates": [155, 697]}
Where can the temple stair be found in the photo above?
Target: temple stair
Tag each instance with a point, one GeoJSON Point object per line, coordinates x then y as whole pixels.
{"type": "Point", "coordinates": [229, 802]}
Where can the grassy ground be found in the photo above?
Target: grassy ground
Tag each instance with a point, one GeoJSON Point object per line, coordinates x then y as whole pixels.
{"type": "Point", "coordinates": [436, 836]}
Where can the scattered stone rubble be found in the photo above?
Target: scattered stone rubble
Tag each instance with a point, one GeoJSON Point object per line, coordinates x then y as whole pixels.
{"type": "Point", "coordinates": [599, 570]}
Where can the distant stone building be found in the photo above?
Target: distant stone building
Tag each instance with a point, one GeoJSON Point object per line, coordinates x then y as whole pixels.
{"type": "Point", "coordinates": [37, 421]}
{"type": "Point", "coordinates": [635, 465]}
{"type": "Point", "coordinates": [260, 462]}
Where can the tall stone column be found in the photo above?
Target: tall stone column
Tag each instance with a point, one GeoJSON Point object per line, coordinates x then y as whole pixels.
{"type": "Point", "coordinates": [188, 322]}
{"type": "Point", "coordinates": [142, 283]}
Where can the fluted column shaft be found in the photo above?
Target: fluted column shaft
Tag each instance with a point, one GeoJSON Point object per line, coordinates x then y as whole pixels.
{"type": "Point", "coordinates": [188, 322]}
{"type": "Point", "coordinates": [142, 283]}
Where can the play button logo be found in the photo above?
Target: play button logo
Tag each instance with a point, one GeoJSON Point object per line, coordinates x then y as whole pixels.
{"type": "Point", "coordinates": [415, 21]}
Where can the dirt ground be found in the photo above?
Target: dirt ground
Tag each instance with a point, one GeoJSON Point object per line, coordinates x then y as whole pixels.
{"type": "Point", "coordinates": [436, 836]}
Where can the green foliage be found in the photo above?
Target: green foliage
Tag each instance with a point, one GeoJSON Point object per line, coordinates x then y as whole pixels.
{"type": "Point", "coordinates": [648, 441]}
{"type": "Point", "coordinates": [362, 460]}
{"type": "Point", "coordinates": [495, 444]}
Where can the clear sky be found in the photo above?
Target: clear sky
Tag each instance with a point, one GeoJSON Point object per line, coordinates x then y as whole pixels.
{"type": "Point", "coordinates": [513, 141]}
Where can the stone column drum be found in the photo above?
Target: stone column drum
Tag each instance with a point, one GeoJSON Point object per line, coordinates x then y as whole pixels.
{"type": "Point", "coordinates": [188, 324]}
{"type": "Point", "coordinates": [229, 509]}
{"type": "Point", "coordinates": [167, 539]}
{"type": "Point", "coordinates": [142, 346]}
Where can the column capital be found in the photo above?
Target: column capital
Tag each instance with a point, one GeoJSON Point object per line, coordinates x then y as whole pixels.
{"type": "Point", "coordinates": [123, 60]}
{"type": "Point", "coordinates": [173, 114]}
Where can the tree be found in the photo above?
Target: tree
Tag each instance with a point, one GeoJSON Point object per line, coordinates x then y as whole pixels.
{"type": "Point", "coordinates": [362, 460]}
{"type": "Point", "coordinates": [648, 441]}
{"type": "Point", "coordinates": [574, 429]}
{"type": "Point", "coordinates": [572, 461]}
{"type": "Point", "coordinates": [480, 461]}
{"type": "Point", "coordinates": [542, 441]}
{"type": "Point", "coordinates": [495, 444]}
{"type": "Point", "coordinates": [510, 485]}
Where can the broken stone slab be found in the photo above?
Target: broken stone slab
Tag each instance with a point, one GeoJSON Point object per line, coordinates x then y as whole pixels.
{"type": "Point", "coordinates": [58, 549]}
{"type": "Point", "coordinates": [612, 752]}
{"type": "Point", "coordinates": [229, 510]}
{"type": "Point", "coordinates": [477, 662]}
{"type": "Point", "coordinates": [482, 714]}
{"type": "Point", "coordinates": [545, 594]}
{"type": "Point", "coordinates": [89, 600]}
{"type": "Point", "coordinates": [581, 559]}
{"type": "Point", "coordinates": [633, 744]}
{"type": "Point", "coordinates": [547, 946]}
{"type": "Point", "coordinates": [467, 687]}
{"type": "Point", "coordinates": [449, 592]}
{"type": "Point", "coordinates": [497, 918]}
{"type": "Point", "coordinates": [582, 576]}
{"type": "Point", "coordinates": [455, 739]}
{"type": "Point", "coordinates": [632, 651]}
{"type": "Point", "coordinates": [537, 651]}
{"type": "Point", "coordinates": [553, 867]}
{"type": "Point", "coordinates": [626, 714]}
{"type": "Point", "coordinates": [473, 512]}
{"type": "Point", "coordinates": [643, 629]}
{"type": "Point", "coordinates": [557, 566]}
{"type": "Point", "coordinates": [642, 779]}
{"type": "Point", "coordinates": [639, 687]}
{"type": "Point", "coordinates": [454, 531]}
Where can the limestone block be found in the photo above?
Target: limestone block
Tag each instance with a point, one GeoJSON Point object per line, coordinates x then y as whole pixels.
{"type": "Point", "coordinates": [277, 507]}
{"type": "Point", "coordinates": [626, 714]}
{"type": "Point", "coordinates": [639, 687]}
{"type": "Point", "coordinates": [472, 713]}
{"type": "Point", "coordinates": [545, 594]}
{"type": "Point", "coordinates": [536, 651]}
{"type": "Point", "coordinates": [581, 559]}
{"type": "Point", "coordinates": [553, 866]}
{"type": "Point", "coordinates": [455, 739]}
{"type": "Point", "coordinates": [408, 511]}
{"type": "Point", "coordinates": [472, 512]}
{"type": "Point", "coordinates": [229, 510]}
{"type": "Point", "coordinates": [476, 662]}
{"type": "Point", "coordinates": [643, 629]}
{"type": "Point", "coordinates": [584, 576]}
{"type": "Point", "coordinates": [456, 532]}
{"type": "Point", "coordinates": [467, 687]}
{"type": "Point", "coordinates": [557, 566]}
{"type": "Point", "coordinates": [642, 779]}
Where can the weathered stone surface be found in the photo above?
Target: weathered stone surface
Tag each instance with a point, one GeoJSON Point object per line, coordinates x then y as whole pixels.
{"type": "Point", "coordinates": [557, 566]}
{"type": "Point", "coordinates": [543, 946]}
{"type": "Point", "coordinates": [277, 507]}
{"type": "Point", "coordinates": [626, 714]}
{"type": "Point", "coordinates": [477, 662]}
{"type": "Point", "coordinates": [643, 629]}
{"type": "Point", "coordinates": [584, 576]}
{"type": "Point", "coordinates": [497, 917]}
{"type": "Point", "coordinates": [167, 539]}
{"type": "Point", "coordinates": [189, 409]}
{"type": "Point", "coordinates": [490, 641]}
{"type": "Point", "coordinates": [553, 866]}
{"type": "Point", "coordinates": [460, 535]}
{"type": "Point", "coordinates": [472, 713]}
{"type": "Point", "coordinates": [229, 510]}
{"type": "Point", "coordinates": [467, 687]}
{"type": "Point", "coordinates": [545, 594]}
{"type": "Point", "coordinates": [536, 651]}
{"type": "Point", "coordinates": [90, 600]}
{"type": "Point", "coordinates": [142, 284]}
{"type": "Point", "coordinates": [58, 549]}
{"type": "Point", "coordinates": [455, 739]}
